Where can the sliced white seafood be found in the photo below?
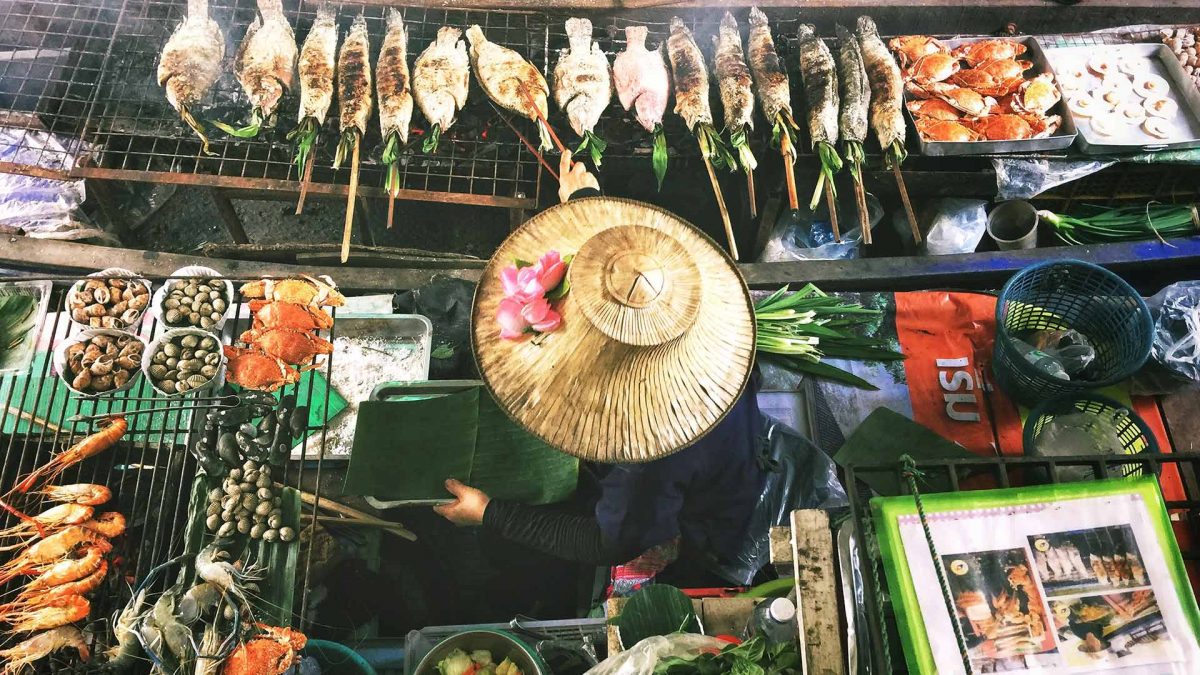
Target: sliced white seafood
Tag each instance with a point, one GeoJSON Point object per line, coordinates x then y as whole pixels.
{"type": "Point", "coordinates": [1132, 113]}
{"type": "Point", "coordinates": [1161, 106]}
{"type": "Point", "coordinates": [1108, 125]}
{"type": "Point", "coordinates": [1151, 86]}
{"type": "Point", "coordinates": [1133, 65]}
{"type": "Point", "coordinates": [1086, 105]}
{"type": "Point", "coordinates": [1101, 64]}
{"type": "Point", "coordinates": [1157, 127]}
{"type": "Point", "coordinates": [1073, 79]}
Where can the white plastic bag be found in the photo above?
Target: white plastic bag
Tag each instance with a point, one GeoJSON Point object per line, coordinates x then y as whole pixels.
{"type": "Point", "coordinates": [641, 659]}
{"type": "Point", "coordinates": [957, 227]}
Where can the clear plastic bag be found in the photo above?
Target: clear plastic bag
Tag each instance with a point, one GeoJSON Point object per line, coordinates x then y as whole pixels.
{"type": "Point", "coordinates": [1027, 178]}
{"type": "Point", "coordinates": [1175, 352]}
{"type": "Point", "coordinates": [799, 476]}
{"type": "Point", "coordinates": [42, 207]}
{"type": "Point", "coordinates": [642, 657]}
{"type": "Point", "coordinates": [808, 235]}
{"type": "Point", "coordinates": [957, 226]}
{"type": "Point", "coordinates": [1069, 347]}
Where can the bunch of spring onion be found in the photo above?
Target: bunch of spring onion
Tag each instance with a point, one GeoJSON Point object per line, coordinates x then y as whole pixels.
{"type": "Point", "coordinates": [1130, 223]}
{"type": "Point", "coordinates": [830, 164]}
{"type": "Point", "coordinates": [798, 329]}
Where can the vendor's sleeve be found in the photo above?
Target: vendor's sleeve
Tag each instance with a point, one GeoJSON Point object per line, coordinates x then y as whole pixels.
{"type": "Point", "coordinates": [563, 535]}
{"type": "Point", "coordinates": [584, 192]}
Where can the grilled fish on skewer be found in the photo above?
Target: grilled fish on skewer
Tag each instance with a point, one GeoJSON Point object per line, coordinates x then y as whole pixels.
{"type": "Point", "coordinates": [510, 81]}
{"type": "Point", "coordinates": [318, 58]}
{"type": "Point", "coordinates": [736, 87]}
{"type": "Point", "coordinates": [394, 88]}
{"type": "Point", "coordinates": [354, 88]}
{"type": "Point", "coordinates": [887, 91]}
{"type": "Point", "coordinates": [440, 82]}
{"type": "Point", "coordinates": [191, 63]}
{"type": "Point", "coordinates": [691, 93]}
{"type": "Point", "coordinates": [583, 86]}
{"type": "Point", "coordinates": [770, 77]}
{"type": "Point", "coordinates": [643, 84]}
{"type": "Point", "coordinates": [852, 119]}
{"type": "Point", "coordinates": [265, 65]}
{"type": "Point", "coordinates": [821, 94]}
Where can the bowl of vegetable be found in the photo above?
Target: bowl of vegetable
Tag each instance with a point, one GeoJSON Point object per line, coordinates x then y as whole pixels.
{"type": "Point", "coordinates": [482, 652]}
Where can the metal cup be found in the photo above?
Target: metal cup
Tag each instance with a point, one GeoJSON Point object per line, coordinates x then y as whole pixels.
{"type": "Point", "coordinates": [1013, 225]}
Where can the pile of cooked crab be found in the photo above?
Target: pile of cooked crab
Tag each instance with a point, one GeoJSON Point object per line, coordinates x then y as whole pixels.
{"type": "Point", "coordinates": [1118, 95]}
{"type": "Point", "coordinates": [979, 91]}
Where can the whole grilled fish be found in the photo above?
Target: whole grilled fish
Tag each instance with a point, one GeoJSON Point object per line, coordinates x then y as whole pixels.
{"type": "Point", "coordinates": [266, 60]}
{"type": "Point", "coordinates": [318, 57]}
{"type": "Point", "coordinates": [509, 80]}
{"type": "Point", "coordinates": [856, 91]}
{"type": "Point", "coordinates": [690, 75]}
{"type": "Point", "coordinates": [887, 86]}
{"type": "Point", "coordinates": [641, 79]}
{"type": "Point", "coordinates": [441, 78]}
{"type": "Point", "coordinates": [733, 76]}
{"type": "Point", "coordinates": [354, 78]}
{"type": "Point", "coordinates": [770, 77]}
{"type": "Point", "coordinates": [191, 63]}
{"type": "Point", "coordinates": [392, 82]}
{"type": "Point", "coordinates": [820, 86]}
{"type": "Point", "coordinates": [582, 84]}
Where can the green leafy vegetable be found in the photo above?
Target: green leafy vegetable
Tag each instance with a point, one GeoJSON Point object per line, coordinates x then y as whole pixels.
{"type": "Point", "coordinates": [712, 147]}
{"type": "Point", "coordinates": [739, 140]}
{"type": "Point", "coordinates": [895, 154]}
{"type": "Point", "coordinates": [457, 662]}
{"type": "Point", "coordinates": [752, 657]}
{"type": "Point", "coordinates": [249, 131]}
{"type": "Point", "coordinates": [16, 319]}
{"type": "Point", "coordinates": [1096, 225]}
{"type": "Point", "coordinates": [657, 609]}
{"type": "Point", "coordinates": [305, 136]}
{"type": "Point", "coordinates": [430, 144]}
{"type": "Point", "coordinates": [659, 158]}
{"type": "Point", "coordinates": [391, 157]}
{"type": "Point", "coordinates": [345, 147]}
{"type": "Point", "coordinates": [853, 150]}
{"type": "Point", "coordinates": [830, 164]}
{"type": "Point", "coordinates": [594, 145]}
{"type": "Point", "coordinates": [190, 119]}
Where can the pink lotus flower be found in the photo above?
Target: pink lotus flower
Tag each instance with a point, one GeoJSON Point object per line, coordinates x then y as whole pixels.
{"type": "Point", "coordinates": [540, 316]}
{"type": "Point", "coordinates": [522, 284]}
{"type": "Point", "coordinates": [509, 315]}
{"type": "Point", "coordinates": [525, 308]}
{"type": "Point", "coordinates": [551, 270]}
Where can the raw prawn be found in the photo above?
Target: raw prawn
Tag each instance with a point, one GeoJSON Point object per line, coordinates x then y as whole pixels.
{"type": "Point", "coordinates": [289, 315]}
{"type": "Point", "coordinates": [53, 518]}
{"type": "Point", "coordinates": [66, 571]}
{"type": "Point", "coordinates": [213, 567]}
{"type": "Point", "coordinates": [57, 612]}
{"type": "Point", "coordinates": [42, 645]}
{"type": "Point", "coordinates": [303, 291]}
{"type": "Point", "coordinates": [37, 599]}
{"type": "Point", "coordinates": [87, 494]}
{"type": "Point", "coordinates": [109, 525]}
{"type": "Point", "coordinates": [52, 549]}
{"type": "Point", "coordinates": [122, 654]}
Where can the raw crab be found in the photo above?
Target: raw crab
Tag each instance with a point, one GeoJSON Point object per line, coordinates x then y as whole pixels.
{"type": "Point", "coordinates": [289, 315]}
{"type": "Point", "coordinates": [1036, 96]}
{"type": "Point", "coordinates": [934, 108]}
{"type": "Point", "coordinates": [255, 370]}
{"type": "Point", "coordinates": [933, 68]}
{"type": "Point", "coordinates": [293, 347]}
{"type": "Point", "coordinates": [976, 53]}
{"type": "Point", "coordinates": [270, 653]}
{"type": "Point", "coordinates": [909, 48]}
{"type": "Point", "coordinates": [969, 101]}
{"type": "Point", "coordinates": [303, 291]}
{"type": "Point", "coordinates": [944, 131]}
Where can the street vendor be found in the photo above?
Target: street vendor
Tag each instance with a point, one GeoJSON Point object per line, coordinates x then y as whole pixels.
{"type": "Point", "coordinates": [691, 506]}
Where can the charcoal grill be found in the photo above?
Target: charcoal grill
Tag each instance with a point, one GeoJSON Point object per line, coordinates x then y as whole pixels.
{"type": "Point", "coordinates": [150, 471]}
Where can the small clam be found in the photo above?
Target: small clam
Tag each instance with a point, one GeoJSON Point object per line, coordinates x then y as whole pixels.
{"type": "Point", "coordinates": [172, 363]}
{"type": "Point", "coordinates": [194, 318]}
{"type": "Point", "coordinates": [190, 289]}
{"type": "Point", "coordinates": [256, 532]}
{"type": "Point", "coordinates": [244, 525]}
{"type": "Point", "coordinates": [158, 371]}
{"type": "Point", "coordinates": [226, 530]}
{"type": "Point", "coordinates": [248, 501]}
{"type": "Point", "coordinates": [271, 535]}
{"type": "Point", "coordinates": [275, 521]}
{"type": "Point", "coordinates": [208, 343]}
{"type": "Point", "coordinates": [167, 386]}
{"type": "Point", "coordinates": [286, 534]}
{"type": "Point", "coordinates": [172, 374]}
{"type": "Point", "coordinates": [213, 522]}
{"type": "Point", "coordinates": [173, 316]}
{"type": "Point", "coordinates": [206, 322]}
{"type": "Point", "coordinates": [197, 381]}
{"type": "Point", "coordinates": [200, 354]}
{"type": "Point", "coordinates": [262, 509]}
{"type": "Point", "coordinates": [182, 386]}
{"type": "Point", "coordinates": [171, 349]}
{"type": "Point", "coordinates": [265, 494]}
{"type": "Point", "coordinates": [212, 359]}
{"type": "Point", "coordinates": [206, 308]}
{"type": "Point", "coordinates": [186, 354]}
{"type": "Point", "coordinates": [171, 303]}
{"type": "Point", "coordinates": [159, 357]}
{"type": "Point", "coordinates": [215, 295]}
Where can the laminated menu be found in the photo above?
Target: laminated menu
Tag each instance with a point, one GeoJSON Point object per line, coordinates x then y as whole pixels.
{"type": "Point", "coordinates": [1075, 578]}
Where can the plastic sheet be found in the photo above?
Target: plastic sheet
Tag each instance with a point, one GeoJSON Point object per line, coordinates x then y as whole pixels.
{"type": "Point", "coordinates": [446, 302]}
{"type": "Point", "coordinates": [1175, 353]}
{"type": "Point", "coordinates": [800, 476]}
{"type": "Point", "coordinates": [41, 207]}
{"type": "Point", "coordinates": [957, 226]}
{"type": "Point", "coordinates": [1027, 178]}
{"type": "Point", "coordinates": [808, 235]}
{"type": "Point", "coordinates": [642, 657]}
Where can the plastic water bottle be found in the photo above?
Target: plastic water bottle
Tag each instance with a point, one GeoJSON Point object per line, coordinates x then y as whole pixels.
{"type": "Point", "coordinates": [1041, 360]}
{"type": "Point", "coordinates": [774, 620]}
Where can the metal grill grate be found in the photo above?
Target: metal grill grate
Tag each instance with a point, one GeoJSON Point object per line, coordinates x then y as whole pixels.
{"type": "Point", "coordinates": [150, 470]}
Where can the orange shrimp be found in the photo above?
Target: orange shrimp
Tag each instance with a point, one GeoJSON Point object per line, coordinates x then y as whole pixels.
{"type": "Point", "coordinates": [34, 599]}
{"type": "Point", "coordinates": [88, 494]}
{"type": "Point", "coordinates": [54, 518]}
{"type": "Point", "coordinates": [88, 447]}
{"type": "Point", "coordinates": [57, 612]}
{"type": "Point", "coordinates": [108, 525]}
{"type": "Point", "coordinates": [39, 557]}
{"type": "Point", "coordinates": [69, 570]}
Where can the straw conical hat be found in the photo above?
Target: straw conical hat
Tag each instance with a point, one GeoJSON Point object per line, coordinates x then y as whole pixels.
{"type": "Point", "coordinates": [656, 342]}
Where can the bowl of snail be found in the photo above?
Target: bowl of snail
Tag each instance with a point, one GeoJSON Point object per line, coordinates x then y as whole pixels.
{"type": "Point", "coordinates": [99, 361]}
{"type": "Point", "coordinates": [183, 360]}
{"type": "Point", "coordinates": [194, 297]}
{"type": "Point", "coordinates": [114, 298]}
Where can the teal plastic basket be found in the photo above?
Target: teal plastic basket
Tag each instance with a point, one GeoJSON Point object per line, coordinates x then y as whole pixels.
{"type": "Point", "coordinates": [1135, 435]}
{"type": "Point", "coordinates": [1066, 294]}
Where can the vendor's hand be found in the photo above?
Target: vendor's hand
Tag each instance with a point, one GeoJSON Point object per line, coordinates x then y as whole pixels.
{"type": "Point", "coordinates": [573, 176]}
{"type": "Point", "coordinates": [467, 507]}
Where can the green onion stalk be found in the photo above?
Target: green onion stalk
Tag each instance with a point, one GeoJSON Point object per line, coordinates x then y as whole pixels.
{"type": "Point", "coordinates": [594, 145]}
{"type": "Point", "coordinates": [784, 125]}
{"type": "Point", "coordinates": [714, 148]}
{"type": "Point", "coordinates": [190, 119]}
{"type": "Point", "coordinates": [895, 154]}
{"type": "Point", "coordinates": [799, 329]}
{"type": "Point", "coordinates": [1129, 223]}
{"type": "Point", "coordinates": [830, 164]}
{"type": "Point", "coordinates": [257, 121]}
{"type": "Point", "coordinates": [430, 144]}
{"type": "Point", "coordinates": [345, 146]}
{"type": "Point", "coordinates": [659, 157]}
{"type": "Point", "coordinates": [739, 140]}
{"type": "Point", "coordinates": [305, 136]}
{"type": "Point", "coordinates": [392, 146]}
{"type": "Point", "coordinates": [855, 156]}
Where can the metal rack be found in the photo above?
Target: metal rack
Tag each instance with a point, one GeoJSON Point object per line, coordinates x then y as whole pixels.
{"type": "Point", "coordinates": [149, 471]}
{"type": "Point", "coordinates": [885, 655]}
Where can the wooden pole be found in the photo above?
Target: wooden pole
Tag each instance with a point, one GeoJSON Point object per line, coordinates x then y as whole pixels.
{"type": "Point", "coordinates": [716, 186]}
{"type": "Point", "coordinates": [817, 609]}
{"type": "Point", "coordinates": [832, 203]}
{"type": "Point", "coordinates": [908, 209]}
{"type": "Point", "coordinates": [308, 167]}
{"type": "Point", "coordinates": [350, 200]}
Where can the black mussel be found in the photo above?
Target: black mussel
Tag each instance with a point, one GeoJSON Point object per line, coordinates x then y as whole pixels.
{"type": "Point", "coordinates": [288, 401]}
{"type": "Point", "coordinates": [298, 421]}
{"type": "Point", "coordinates": [248, 429]}
{"type": "Point", "coordinates": [227, 449]}
{"type": "Point", "coordinates": [246, 443]}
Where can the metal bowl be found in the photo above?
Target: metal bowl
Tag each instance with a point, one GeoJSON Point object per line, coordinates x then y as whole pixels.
{"type": "Point", "coordinates": [502, 645]}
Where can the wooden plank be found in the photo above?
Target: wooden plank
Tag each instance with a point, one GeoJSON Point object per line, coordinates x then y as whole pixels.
{"type": "Point", "coordinates": [781, 545]}
{"type": "Point", "coordinates": [818, 613]}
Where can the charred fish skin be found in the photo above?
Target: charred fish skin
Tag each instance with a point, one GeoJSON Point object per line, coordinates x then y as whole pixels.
{"type": "Point", "coordinates": [266, 60]}
{"type": "Point", "coordinates": [441, 78]}
{"type": "Point", "coordinates": [318, 58]}
{"type": "Point", "coordinates": [393, 84]}
{"type": "Point", "coordinates": [641, 79]}
{"type": "Point", "coordinates": [770, 76]}
{"type": "Point", "coordinates": [354, 78]}
{"type": "Point", "coordinates": [856, 91]}
{"type": "Point", "coordinates": [887, 86]}
{"type": "Point", "coordinates": [582, 82]}
{"type": "Point", "coordinates": [733, 76]}
{"type": "Point", "coordinates": [508, 78]}
{"type": "Point", "coordinates": [191, 62]}
{"type": "Point", "coordinates": [820, 86]}
{"type": "Point", "coordinates": [690, 76]}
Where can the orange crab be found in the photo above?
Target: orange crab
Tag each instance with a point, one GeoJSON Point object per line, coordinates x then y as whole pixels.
{"type": "Point", "coordinates": [303, 291]}
{"type": "Point", "coordinates": [1012, 127]}
{"type": "Point", "coordinates": [934, 108]}
{"type": "Point", "coordinates": [975, 53]}
{"type": "Point", "coordinates": [1004, 69]}
{"type": "Point", "coordinates": [909, 48]}
{"type": "Point", "coordinates": [968, 101]}
{"type": "Point", "coordinates": [1037, 95]}
{"type": "Point", "coordinates": [289, 315]}
{"type": "Point", "coordinates": [270, 653]}
{"type": "Point", "coordinates": [935, 67]}
{"type": "Point", "coordinates": [944, 131]}
{"type": "Point", "coordinates": [293, 347]}
{"type": "Point", "coordinates": [986, 84]}
{"type": "Point", "coordinates": [255, 370]}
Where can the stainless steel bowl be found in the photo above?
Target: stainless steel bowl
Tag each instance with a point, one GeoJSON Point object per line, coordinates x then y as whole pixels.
{"type": "Point", "coordinates": [502, 645]}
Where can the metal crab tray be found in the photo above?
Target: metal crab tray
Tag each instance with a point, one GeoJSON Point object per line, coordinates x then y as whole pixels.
{"type": "Point", "coordinates": [1158, 60]}
{"type": "Point", "coordinates": [1060, 140]}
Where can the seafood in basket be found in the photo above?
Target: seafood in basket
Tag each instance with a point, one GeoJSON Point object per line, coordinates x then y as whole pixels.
{"type": "Point", "coordinates": [183, 360]}
{"type": "Point", "coordinates": [113, 298]}
{"type": "Point", "coordinates": [196, 302]}
{"type": "Point", "coordinates": [100, 361]}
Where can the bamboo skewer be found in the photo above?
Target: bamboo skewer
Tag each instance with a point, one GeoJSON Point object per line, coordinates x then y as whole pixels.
{"type": "Point", "coordinates": [908, 209]}
{"type": "Point", "coordinates": [750, 190]}
{"type": "Point", "coordinates": [529, 146]}
{"type": "Point", "coordinates": [350, 200]}
{"type": "Point", "coordinates": [712, 176]}
{"type": "Point", "coordinates": [789, 172]}
{"type": "Point", "coordinates": [329, 505]}
{"type": "Point", "coordinates": [391, 209]}
{"type": "Point", "coordinates": [305, 180]}
{"type": "Point", "coordinates": [832, 203]}
{"type": "Point", "coordinates": [860, 197]}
